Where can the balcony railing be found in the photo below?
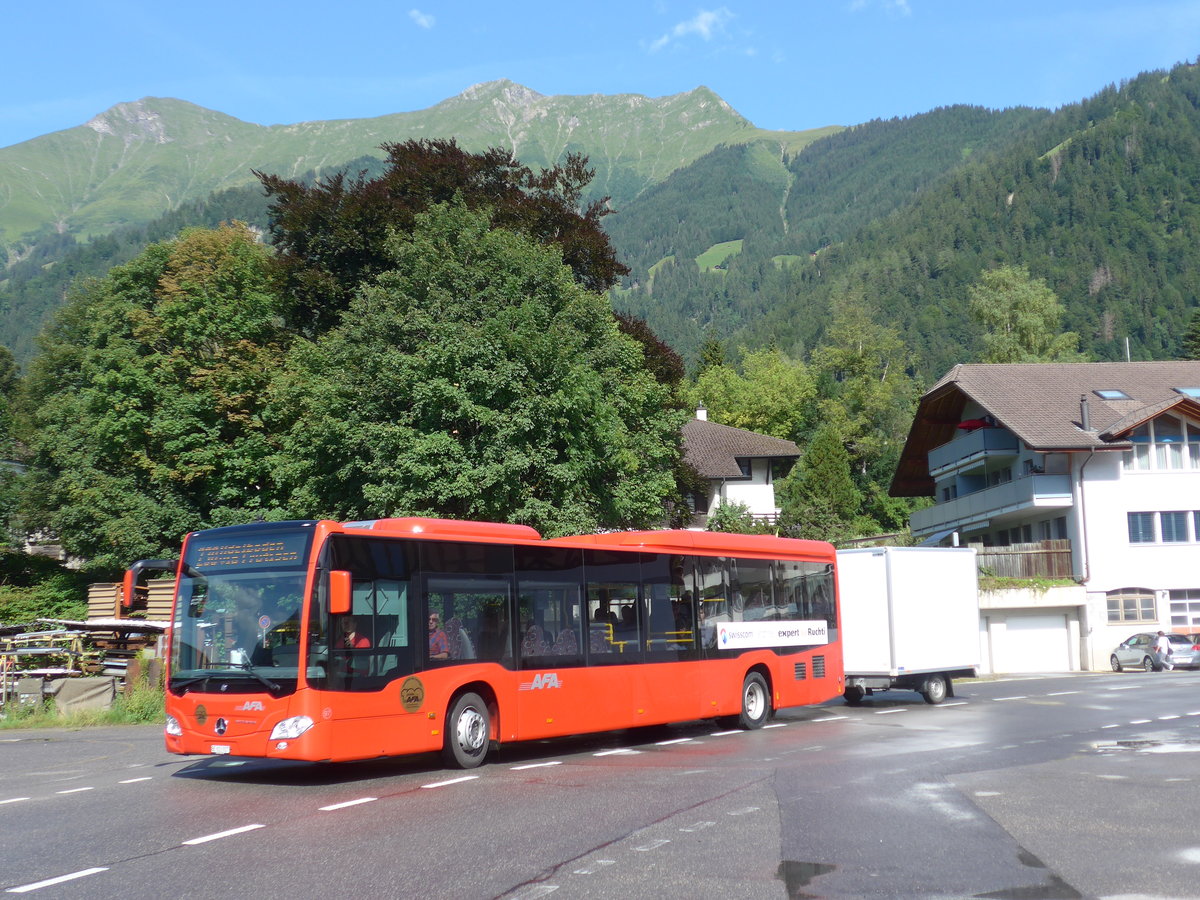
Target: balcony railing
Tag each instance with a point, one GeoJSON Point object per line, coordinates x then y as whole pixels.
{"type": "Point", "coordinates": [1026, 492]}
{"type": "Point", "coordinates": [1040, 559]}
{"type": "Point", "coordinates": [985, 442]}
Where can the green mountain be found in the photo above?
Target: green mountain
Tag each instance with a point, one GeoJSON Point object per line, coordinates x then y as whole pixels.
{"type": "Point", "coordinates": [1098, 198]}
{"type": "Point", "coordinates": [138, 160]}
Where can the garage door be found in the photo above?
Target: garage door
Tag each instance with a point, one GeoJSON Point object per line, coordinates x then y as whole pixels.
{"type": "Point", "coordinates": [1035, 643]}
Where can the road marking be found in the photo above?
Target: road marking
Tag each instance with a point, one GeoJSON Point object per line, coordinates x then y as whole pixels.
{"type": "Point", "coordinates": [75, 790]}
{"type": "Point", "coordinates": [1140, 721]}
{"type": "Point", "coordinates": [1126, 687]}
{"type": "Point", "coordinates": [540, 765]}
{"type": "Point", "coordinates": [653, 845]}
{"type": "Point", "coordinates": [438, 784]}
{"type": "Point", "coordinates": [13, 800]}
{"type": "Point", "coordinates": [1197, 713]}
{"type": "Point", "coordinates": [222, 834]}
{"type": "Point", "coordinates": [594, 867]}
{"type": "Point", "coordinates": [743, 811]}
{"type": "Point", "coordinates": [1164, 718]}
{"type": "Point", "coordinates": [357, 802]}
{"type": "Point", "coordinates": [723, 733]}
{"type": "Point", "coordinates": [1062, 693]}
{"type": "Point", "coordinates": [785, 724]}
{"type": "Point", "coordinates": [1002, 699]}
{"type": "Point", "coordinates": [623, 751]}
{"type": "Point", "coordinates": [951, 703]}
{"type": "Point", "coordinates": [136, 780]}
{"type": "Point", "coordinates": [698, 826]}
{"type": "Point", "coordinates": [827, 719]}
{"type": "Point", "coordinates": [886, 712]}
{"type": "Point", "coordinates": [673, 741]}
{"type": "Point", "coordinates": [1110, 726]}
{"type": "Point", "coordinates": [987, 793]}
{"type": "Point", "coordinates": [82, 873]}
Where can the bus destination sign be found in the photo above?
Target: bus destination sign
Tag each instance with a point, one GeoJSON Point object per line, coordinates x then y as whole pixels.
{"type": "Point", "coordinates": [260, 552]}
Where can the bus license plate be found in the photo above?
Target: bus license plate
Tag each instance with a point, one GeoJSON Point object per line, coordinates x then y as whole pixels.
{"type": "Point", "coordinates": [219, 748]}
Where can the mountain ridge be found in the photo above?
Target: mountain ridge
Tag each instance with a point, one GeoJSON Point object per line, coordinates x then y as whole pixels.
{"type": "Point", "coordinates": [138, 159]}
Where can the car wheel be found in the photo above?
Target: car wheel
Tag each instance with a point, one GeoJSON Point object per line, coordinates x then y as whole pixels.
{"type": "Point", "coordinates": [1115, 663]}
{"type": "Point", "coordinates": [1148, 665]}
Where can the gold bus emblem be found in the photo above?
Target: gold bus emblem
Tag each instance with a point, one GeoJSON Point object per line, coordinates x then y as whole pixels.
{"type": "Point", "coordinates": [412, 694]}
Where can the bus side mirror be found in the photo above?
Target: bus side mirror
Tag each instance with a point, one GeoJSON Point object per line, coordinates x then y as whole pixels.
{"type": "Point", "coordinates": [339, 592]}
{"type": "Point", "coordinates": [134, 586]}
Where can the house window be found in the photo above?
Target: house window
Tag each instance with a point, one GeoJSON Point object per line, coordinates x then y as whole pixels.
{"type": "Point", "coordinates": [1166, 444]}
{"type": "Point", "coordinates": [744, 465]}
{"type": "Point", "coordinates": [1000, 476]}
{"type": "Point", "coordinates": [950, 492]}
{"type": "Point", "coordinates": [1141, 528]}
{"type": "Point", "coordinates": [1174, 527]}
{"type": "Point", "coordinates": [1185, 610]}
{"type": "Point", "coordinates": [1131, 605]}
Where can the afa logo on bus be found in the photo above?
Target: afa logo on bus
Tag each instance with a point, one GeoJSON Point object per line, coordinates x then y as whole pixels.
{"type": "Point", "coordinates": [544, 680]}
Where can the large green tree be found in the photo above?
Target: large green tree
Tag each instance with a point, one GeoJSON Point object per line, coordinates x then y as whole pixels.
{"type": "Point", "coordinates": [1021, 317]}
{"type": "Point", "coordinates": [149, 396]}
{"type": "Point", "coordinates": [770, 394]}
{"type": "Point", "coordinates": [818, 499]}
{"type": "Point", "coordinates": [477, 378]}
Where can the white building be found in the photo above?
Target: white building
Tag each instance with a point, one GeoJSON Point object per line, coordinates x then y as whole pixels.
{"type": "Point", "coordinates": [1103, 455]}
{"type": "Point", "coordinates": [740, 466]}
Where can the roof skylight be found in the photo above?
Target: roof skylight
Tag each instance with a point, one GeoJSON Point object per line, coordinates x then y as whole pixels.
{"type": "Point", "coordinates": [1111, 394]}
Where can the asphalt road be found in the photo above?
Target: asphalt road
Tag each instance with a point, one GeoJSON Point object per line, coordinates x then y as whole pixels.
{"type": "Point", "coordinates": [1048, 787]}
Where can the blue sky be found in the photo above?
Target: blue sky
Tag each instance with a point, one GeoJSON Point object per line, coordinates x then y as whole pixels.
{"type": "Point", "coordinates": [790, 64]}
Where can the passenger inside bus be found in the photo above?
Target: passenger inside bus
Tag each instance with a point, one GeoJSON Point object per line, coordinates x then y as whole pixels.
{"type": "Point", "coordinates": [439, 644]}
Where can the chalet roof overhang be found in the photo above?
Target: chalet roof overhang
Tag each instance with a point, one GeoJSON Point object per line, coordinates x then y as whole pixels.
{"type": "Point", "coordinates": [713, 449]}
{"type": "Point", "coordinates": [1044, 405]}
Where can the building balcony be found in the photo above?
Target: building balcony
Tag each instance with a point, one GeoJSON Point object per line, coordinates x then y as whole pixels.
{"type": "Point", "coordinates": [972, 449]}
{"type": "Point", "coordinates": [980, 509]}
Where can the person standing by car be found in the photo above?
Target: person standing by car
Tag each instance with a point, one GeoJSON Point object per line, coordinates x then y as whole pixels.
{"type": "Point", "coordinates": [1162, 646]}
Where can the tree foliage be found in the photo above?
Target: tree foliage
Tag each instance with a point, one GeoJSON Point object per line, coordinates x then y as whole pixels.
{"type": "Point", "coordinates": [332, 235]}
{"type": "Point", "coordinates": [818, 499]}
{"type": "Point", "coordinates": [768, 393]}
{"type": "Point", "coordinates": [148, 400]}
{"type": "Point", "coordinates": [476, 378]}
{"type": "Point", "coordinates": [1020, 317]}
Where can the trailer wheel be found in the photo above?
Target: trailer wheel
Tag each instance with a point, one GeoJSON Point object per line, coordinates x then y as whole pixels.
{"type": "Point", "coordinates": [1115, 663]}
{"type": "Point", "coordinates": [935, 689]}
{"type": "Point", "coordinates": [756, 702]}
{"type": "Point", "coordinates": [468, 732]}
{"type": "Point", "coordinates": [854, 695]}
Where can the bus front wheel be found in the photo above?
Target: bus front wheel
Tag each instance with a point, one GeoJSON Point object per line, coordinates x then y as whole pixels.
{"type": "Point", "coordinates": [756, 702]}
{"type": "Point", "coordinates": [468, 732]}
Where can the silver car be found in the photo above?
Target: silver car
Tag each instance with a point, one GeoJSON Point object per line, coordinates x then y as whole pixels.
{"type": "Point", "coordinates": [1137, 652]}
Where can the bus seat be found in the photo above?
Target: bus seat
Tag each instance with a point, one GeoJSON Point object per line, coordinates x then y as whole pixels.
{"type": "Point", "coordinates": [566, 644]}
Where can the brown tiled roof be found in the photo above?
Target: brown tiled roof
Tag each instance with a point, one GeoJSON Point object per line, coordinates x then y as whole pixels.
{"type": "Point", "coordinates": [1040, 404]}
{"type": "Point", "coordinates": [713, 449]}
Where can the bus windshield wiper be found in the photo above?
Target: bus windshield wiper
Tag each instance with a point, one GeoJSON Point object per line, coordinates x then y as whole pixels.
{"type": "Point", "coordinates": [249, 669]}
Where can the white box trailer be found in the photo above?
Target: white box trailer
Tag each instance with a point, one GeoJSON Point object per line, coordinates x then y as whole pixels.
{"type": "Point", "coordinates": [909, 619]}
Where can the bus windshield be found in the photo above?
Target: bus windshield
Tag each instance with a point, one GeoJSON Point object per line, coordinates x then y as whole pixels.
{"type": "Point", "coordinates": [238, 609]}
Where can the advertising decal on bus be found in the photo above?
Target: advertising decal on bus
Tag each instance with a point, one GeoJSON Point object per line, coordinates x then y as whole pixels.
{"type": "Point", "coordinates": [750, 635]}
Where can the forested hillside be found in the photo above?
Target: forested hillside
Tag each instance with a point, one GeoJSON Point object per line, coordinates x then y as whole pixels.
{"type": "Point", "coordinates": [1098, 198]}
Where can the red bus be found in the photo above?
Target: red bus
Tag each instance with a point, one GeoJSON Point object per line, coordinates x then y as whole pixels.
{"type": "Point", "coordinates": [318, 640]}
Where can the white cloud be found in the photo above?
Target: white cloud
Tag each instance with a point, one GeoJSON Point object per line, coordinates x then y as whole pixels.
{"type": "Point", "coordinates": [424, 20]}
{"type": "Point", "coordinates": [708, 23]}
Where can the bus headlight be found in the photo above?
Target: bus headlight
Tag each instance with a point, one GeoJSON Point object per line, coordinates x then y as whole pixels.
{"type": "Point", "coordinates": [173, 727]}
{"type": "Point", "coordinates": [290, 729]}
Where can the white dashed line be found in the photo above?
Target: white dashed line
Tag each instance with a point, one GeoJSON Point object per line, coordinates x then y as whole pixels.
{"type": "Point", "coordinates": [438, 784]}
{"type": "Point", "coordinates": [594, 867]}
{"type": "Point", "coordinates": [887, 712]}
{"type": "Point", "coordinates": [1062, 693]}
{"type": "Point", "coordinates": [540, 765]}
{"type": "Point", "coordinates": [674, 741]}
{"type": "Point", "coordinates": [347, 803]}
{"type": "Point", "coordinates": [221, 834]}
{"type": "Point", "coordinates": [698, 826]}
{"type": "Point", "coordinates": [1165, 718]}
{"type": "Point", "coordinates": [135, 780]}
{"type": "Point", "coordinates": [623, 751]}
{"type": "Point", "coordinates": [1002, 699]}
{"type": "Point", "coordinates": [13, 800]}
{"type": "Point", "coordinates": [831, 718]}
{"type": "Point", "coordinates": [743, 811]}
{"type": "Point", "coordinates": [653, 845]}
{"type": "Point", "coordinates": [785, 724]}
{"type": "Point", "coordinates": [1140, 721]}
{"type": "Point", "coordinates": [951, 703]}
{"type": "Point", "coordinates": [1110, 726]}
{"type": "Point", "coordinates": [724, 733]}
{"type": "Point", "coordinates": [82, 873]}
{"type": "Point", "coordinates": [75, 790]}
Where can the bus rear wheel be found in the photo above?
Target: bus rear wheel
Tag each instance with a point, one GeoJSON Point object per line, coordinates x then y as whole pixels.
{"type": "Point", "coordinates": [756, 702]}
{"type": "Point", "coordinates": [468, 732]}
